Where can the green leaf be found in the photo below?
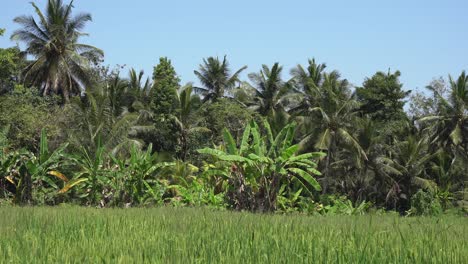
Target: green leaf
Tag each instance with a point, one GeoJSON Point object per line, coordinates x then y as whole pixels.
{"type": "Point", "coordinates": [50, 182]}
{"type": "Point", "coordinates": [245, 140]}
{"type": "Point", "coordinates": [268, 131]}
{"type": "Point", "coordinates": [296, 194]}
{"type": "Point", "coordinates": [158, 166]}
{"type": "Point", "coordinates": [306, 177]}
{"type": "Point", "coordinates": [256, 139]}
{"type": "Point", "coordinates": [235, 158]}
{"type": "Point", "coordinates": [215, 172]}
{"type": "Point", "coordinates": [323, 140]}
{"type": "Point", "coordinates": [289, 136]}
{"type": "Point", "coordinates": [351, 141]}
{"type": "Point", "coordinates": [258, 158]}
{"type": "Point", "coordinates": [306, 156]}
{"type": "Point", "coordinates": [305, 163]}
{"type": "Point", "coordinates": [314, 171]}
{"type": "Point", "coordinates": [210, 151]}
{"type": "Point", "coordinates": [230, 142]}
{"type": "Point", "coordinates": [287, 153]}
{"type": "Point", "coordinates": [43, 147]}
{"type": "Point", "coordinates": [282, 140]}
{"type": "Point", "coordinates": [456, 135]}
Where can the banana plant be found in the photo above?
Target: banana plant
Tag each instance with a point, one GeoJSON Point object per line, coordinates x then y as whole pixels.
{"type": "Point", "coordinates": [93, 173]}
{"type": "Point", "coordinates": [137, 179]}
{"type": "Point", "coordinates": [261, 164]}
{"type": "Point", "coordinates": [37, 175]}
{"type": "Point", "coordinates": [9, 164]}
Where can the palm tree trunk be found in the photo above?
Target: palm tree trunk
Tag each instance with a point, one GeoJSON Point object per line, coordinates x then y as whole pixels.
{"type": "Point", "coordinates": [326, 178]}
{"type": "Point", "coordinates": [66, 95]}
{"type": "Point", "coordinates": [184, 144]}
{"type": "Point", "coordinates": [45, 91]}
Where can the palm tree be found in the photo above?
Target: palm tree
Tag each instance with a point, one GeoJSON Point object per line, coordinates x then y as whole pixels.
{"type": "Point", "coordinates": [410, 158]}
{"type": "Point", "coordinates": [115, 90]}
{"type": "Point", "coordinates": [451, 122]}
{"type": "Point", "coordinates": [368, 179]}
{"type": "Point", "coordinates": [327, 111]}
{"type": "Point", "coordinates": [60, 62]}
{"type": "Point", "coordinates": [187, 104]}
{"type": "Point", "coordinates": [102, 121]}
{"type": "Point", "coordinates": [270, 90]}
{"type": "Point", "coordinates": [216, 78]}
{"type": "Point", "coordinates": [140, 90]}
{"type": "Point", "coordinates": [308, 80]}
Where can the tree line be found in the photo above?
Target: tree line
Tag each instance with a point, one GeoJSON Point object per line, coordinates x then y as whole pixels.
{"type": "Point", "coordinates": [74, 130]}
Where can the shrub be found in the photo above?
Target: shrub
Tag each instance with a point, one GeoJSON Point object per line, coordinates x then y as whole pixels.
{"type": "Point", "coordinates": [425, 203]}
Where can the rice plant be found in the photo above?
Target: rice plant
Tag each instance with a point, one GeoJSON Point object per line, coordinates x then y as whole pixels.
{"type": "Point", "coordinates": [187, 235]}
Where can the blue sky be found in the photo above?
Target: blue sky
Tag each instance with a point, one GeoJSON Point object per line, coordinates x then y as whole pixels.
{"type": "Point", "coordinates": [422, 39]}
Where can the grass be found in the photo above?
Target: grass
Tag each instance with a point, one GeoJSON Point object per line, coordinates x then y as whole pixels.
{"type": "Point", "coordinates": [185, 235]}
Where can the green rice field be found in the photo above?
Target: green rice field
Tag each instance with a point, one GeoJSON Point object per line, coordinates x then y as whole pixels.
{"type": "Point", "coordinates": [188, 235]}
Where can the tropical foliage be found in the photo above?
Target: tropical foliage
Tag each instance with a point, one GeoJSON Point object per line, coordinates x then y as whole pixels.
{"type": "Point", "coordinates": [74, 131]}
{"type": "Point", "coordinates": [261, 166]}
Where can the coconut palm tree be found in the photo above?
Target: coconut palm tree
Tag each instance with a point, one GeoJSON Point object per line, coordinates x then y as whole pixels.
{"type": "Point", "coordinates": [308, 80]}
{"type": "Point", "coordinates": [60, 63]}
{"type": "Point", "coordinates": [410, 157]}
{"type": "Point", "coordinates": [450, 125]}
{"type": "Point", "coordinates": [328, 111]}
{"type": "Point", "coordinates": [187, 105]}
{"type": "Point", "coordinates": [270, 90]}
{"type": "Point", "coordinates": [216, 78]}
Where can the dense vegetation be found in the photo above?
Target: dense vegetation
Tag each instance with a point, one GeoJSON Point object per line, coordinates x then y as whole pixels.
{"type": "Point", "coordinates": [75, 131]}
{"type": "Point", "coordinates": [181, 235]}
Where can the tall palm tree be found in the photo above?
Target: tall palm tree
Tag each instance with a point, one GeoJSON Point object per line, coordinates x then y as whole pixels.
{"type": "Point", "coordinates": [308, 80]}
{"type": "Point", "coordinates": [368, 179]}
{"type": "Point", "coordinates": [270, 90]}
{"type": "Point", "coordinates": [327, 112]}
{"type": "Point", "coordinates": [60, 62]}
{"type": "Point", "coordinates": [216, 78]}
{"type": "Point", "coordinates": [410, 157]}
{"type": "Point", "coordinates": [450, 124]}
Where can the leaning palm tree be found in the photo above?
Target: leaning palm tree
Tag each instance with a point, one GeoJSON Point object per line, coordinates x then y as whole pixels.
{"type": "Point", "coordinates": [60, 63]}
{"type": "Point", "coordinates": [216, 78]}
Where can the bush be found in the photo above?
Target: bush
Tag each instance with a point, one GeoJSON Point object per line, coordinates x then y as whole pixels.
{"type": "Point", "coordinates": [26, 113]}
{"type": "Point", "coordinates": [341, 205]}
{"type": "Point", "coordinates": [225, 113]}
{"type": "Point", "coordinates": [425, 203]}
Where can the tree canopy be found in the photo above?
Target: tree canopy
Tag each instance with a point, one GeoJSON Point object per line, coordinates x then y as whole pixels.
{"type": "Point", "coordinates": [73, 130]}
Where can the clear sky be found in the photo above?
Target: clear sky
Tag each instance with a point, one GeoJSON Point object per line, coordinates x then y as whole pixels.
{"type": "Point", "coordinates": [422, 39]}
